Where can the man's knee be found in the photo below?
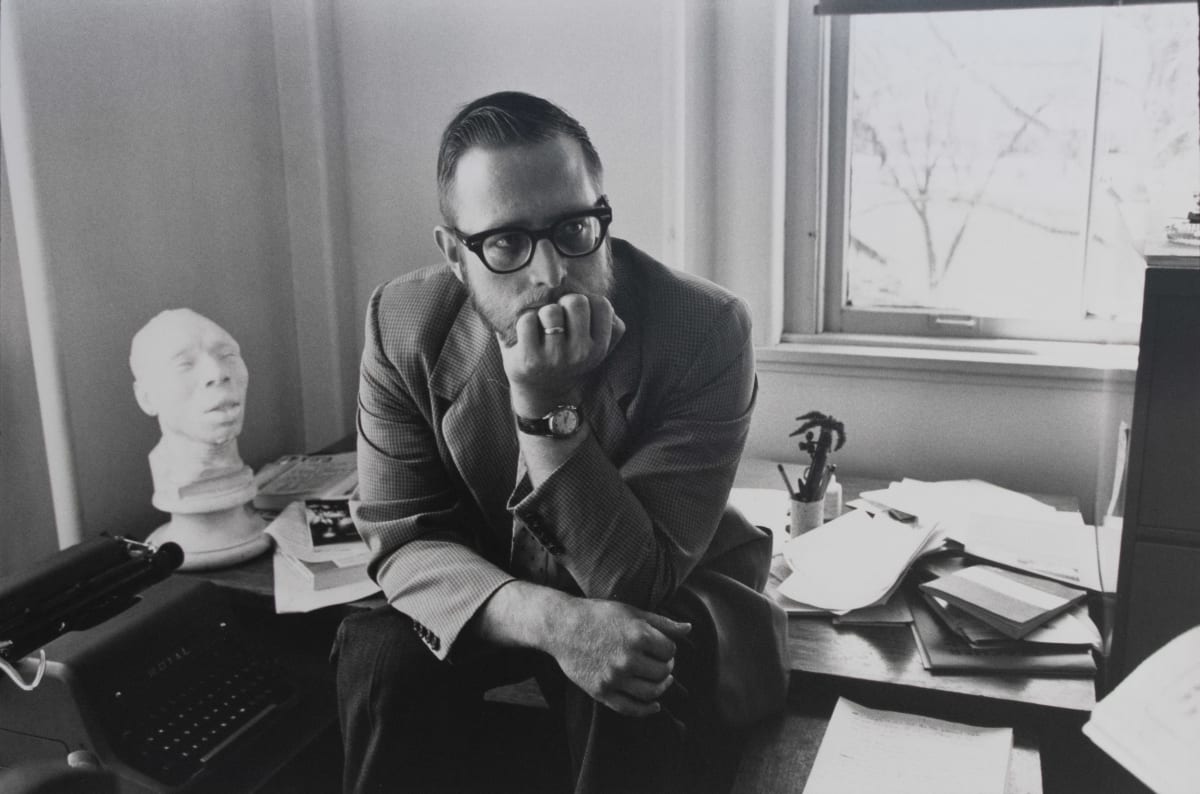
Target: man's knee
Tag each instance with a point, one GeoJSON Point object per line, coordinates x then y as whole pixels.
{"type": "Point", "coordinates": [378, 654]}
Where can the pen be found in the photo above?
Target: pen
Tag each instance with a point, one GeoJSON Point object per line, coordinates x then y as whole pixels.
{"type": "Point", "coordinates": [786, 481]}
{"type": "Point", "coordinates": [825, 479]}
{"type": "Point", "coordinates": [813, 486]}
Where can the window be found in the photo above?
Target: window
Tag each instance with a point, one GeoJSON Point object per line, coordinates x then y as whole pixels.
{"type": "Point", "coordinates": [996, 173]}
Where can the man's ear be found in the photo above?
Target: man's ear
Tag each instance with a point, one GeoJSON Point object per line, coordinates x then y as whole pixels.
{"type": "Point", "coordinates": [447, 241]}
{"type": "Point", "coordinates": [145, 399]}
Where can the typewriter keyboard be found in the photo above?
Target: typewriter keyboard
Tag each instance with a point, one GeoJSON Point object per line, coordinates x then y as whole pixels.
{"type": "Point", "coordinates": [225, 695]}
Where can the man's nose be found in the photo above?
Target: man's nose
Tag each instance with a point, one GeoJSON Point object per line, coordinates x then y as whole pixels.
{"type": "Point", "coordinates": [548, 267]}
{"type": "Point", "coordinates": [214, 371]}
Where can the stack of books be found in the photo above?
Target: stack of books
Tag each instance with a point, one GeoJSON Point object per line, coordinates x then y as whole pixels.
{"type": "Point", "coordinates": [293, 478]}
{"type": "Point", "coordinates": [317, 537]}
{"type": "Point", "coordinates": [982, 618]}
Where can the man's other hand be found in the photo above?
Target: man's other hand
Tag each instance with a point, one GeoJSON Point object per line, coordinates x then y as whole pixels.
{"type": "Point", "coordinates": [619, 655]}
{"type": "Point", "coordinates": [556, 346]}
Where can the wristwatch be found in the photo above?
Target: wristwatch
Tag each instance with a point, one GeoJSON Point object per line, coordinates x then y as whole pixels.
{"type": "Point", "coordinates": [562, 421]}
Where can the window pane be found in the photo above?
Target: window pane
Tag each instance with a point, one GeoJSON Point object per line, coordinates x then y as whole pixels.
{"type": "Point", "coordinates": [1147, 148]}
{"type": "Point", "coordinates": [971, 156]}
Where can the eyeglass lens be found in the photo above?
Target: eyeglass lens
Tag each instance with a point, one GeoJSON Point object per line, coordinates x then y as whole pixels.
{"type": "Point", "coordinates": [570, 237]}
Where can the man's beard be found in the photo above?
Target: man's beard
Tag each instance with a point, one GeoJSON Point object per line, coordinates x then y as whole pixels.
{"type": "Point", "coordinates": [503, 321]}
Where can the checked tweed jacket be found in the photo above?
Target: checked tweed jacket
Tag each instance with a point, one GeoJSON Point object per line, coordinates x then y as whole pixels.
{"type": "Point", "coordinates": [630, 514]}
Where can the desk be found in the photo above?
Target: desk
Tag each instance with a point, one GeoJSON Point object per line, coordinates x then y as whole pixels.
{"type": "Point", "coordinates": [888, 654]}
{"type": "Point", "coordinates": [880, 667]}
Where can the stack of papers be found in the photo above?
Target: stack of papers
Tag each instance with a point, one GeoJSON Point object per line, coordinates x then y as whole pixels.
{"type": "Point", "coordinates": [852, 562]}
{"type": "Point", "coordinates": [884, 751]}
{"type": "Point", "coordinates": [939, 501]}
{"type": "Point", "coordinates": [1006, 527]}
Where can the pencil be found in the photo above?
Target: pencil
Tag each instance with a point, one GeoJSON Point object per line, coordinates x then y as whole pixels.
{"type": "Point", "coordinates": [786, 481]}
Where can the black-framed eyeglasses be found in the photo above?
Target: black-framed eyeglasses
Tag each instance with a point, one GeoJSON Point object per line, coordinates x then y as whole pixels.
{"type": "Point", "coordinates": [507, 249]}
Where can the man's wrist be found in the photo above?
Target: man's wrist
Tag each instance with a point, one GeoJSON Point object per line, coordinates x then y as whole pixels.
{"type": "Point", "coordinates": [524, 615]}
{"type": "Point", "coordinates": [535, 405]}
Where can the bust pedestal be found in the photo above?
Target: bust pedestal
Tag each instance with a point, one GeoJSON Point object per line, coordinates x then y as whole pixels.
{"type": "Point", "coordinates": [212, 520]}
{"type": "Point", "coordinates": [216, 539]}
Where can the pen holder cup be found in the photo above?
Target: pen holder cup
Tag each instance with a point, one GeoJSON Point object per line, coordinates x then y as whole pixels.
{"type": "Point", "coordinates": [806, 516]}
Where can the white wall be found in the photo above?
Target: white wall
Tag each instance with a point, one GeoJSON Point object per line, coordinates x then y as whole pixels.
{"type": "Point", "coordinates": [268, 162]}
{"type": "Point", "coordinates": [143, 150]}
{"type": "Point", "coordinates": [1042, 434]}
{"type": "Point", "coordinates": [24, 476]}
{"type": "Point", "coordinates": [406, 67]}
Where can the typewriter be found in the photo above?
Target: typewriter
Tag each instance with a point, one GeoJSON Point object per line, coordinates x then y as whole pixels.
{"type": "Point", "coordinates": [152, 674]}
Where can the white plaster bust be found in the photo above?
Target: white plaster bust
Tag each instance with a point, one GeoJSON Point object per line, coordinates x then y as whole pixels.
{"type": "Point", "coordinates": [188, 373]}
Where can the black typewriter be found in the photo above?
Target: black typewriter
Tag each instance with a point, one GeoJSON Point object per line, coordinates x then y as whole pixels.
{"type": "Point", "coordinates": [159, 681]}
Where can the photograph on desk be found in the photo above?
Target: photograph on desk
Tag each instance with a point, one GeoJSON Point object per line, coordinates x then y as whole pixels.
{"type": "Point", "coordinates": [320, 559]}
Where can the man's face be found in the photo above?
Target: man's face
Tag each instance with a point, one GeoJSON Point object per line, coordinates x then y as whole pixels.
{"type": "Point", "coordinates": [530, 186]}
{"type": "Point", "coordinates": [192, 377]}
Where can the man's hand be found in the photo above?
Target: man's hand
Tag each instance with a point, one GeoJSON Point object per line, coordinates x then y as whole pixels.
{"type": "Point", "coordinates": [619, 655]}
{"type": "Point", "coordinates": [546, 366]}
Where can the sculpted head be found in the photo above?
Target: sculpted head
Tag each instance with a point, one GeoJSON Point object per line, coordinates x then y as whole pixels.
{"type": "Point", "coordinates": [189, 373]}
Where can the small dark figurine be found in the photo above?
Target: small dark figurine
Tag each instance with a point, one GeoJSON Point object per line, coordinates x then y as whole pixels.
{"type": "Point", "coordinates": [812, 486]}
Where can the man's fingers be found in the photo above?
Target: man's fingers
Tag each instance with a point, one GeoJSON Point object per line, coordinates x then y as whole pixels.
{"type": "Point", "coordinates": [647, 691]}
{"type": "Point", "coordinates": [551, 318]}
{"type": "Point", "coordinates": [651, 669]}
{"type": "Point", "coordinates": [618, 330]}
{"type": "Point", "coordinates": [672, 628]}
{"type": "Point", "coordinates": [602, 317]}
{"type": "Point", "coordinates": [577, 315]}
{"type": "Point", "coordinates": [630, 707]}
{"type": "Point", "coordinates": [528, 328]}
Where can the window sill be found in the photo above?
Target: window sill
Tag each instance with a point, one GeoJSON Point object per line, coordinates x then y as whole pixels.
{"type": "Point", "coordinates": [1071, 364]}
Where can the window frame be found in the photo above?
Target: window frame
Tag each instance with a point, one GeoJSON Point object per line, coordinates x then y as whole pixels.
{"type": "Point", "coordinates": [818, 66]}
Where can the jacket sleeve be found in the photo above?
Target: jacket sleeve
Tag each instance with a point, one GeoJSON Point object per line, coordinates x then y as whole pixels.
{"type": "Point", "coordinates": [632, 528]}
{"type": "Point", "coordinates": [407, 499]}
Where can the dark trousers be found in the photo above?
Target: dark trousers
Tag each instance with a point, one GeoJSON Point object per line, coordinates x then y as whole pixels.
{"type": "Point", "coordinates": [410, 722]}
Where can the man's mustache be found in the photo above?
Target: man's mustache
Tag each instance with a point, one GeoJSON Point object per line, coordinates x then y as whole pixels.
{"type": "Point", "coordinates": [542, 297]}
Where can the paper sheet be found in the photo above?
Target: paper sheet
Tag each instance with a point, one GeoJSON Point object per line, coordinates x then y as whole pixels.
{"type": "Point", "coordinates": [851, 562]}
{"type": "Point", "coordinates": [1150, 724]}
{"type": "Point", "coordinates": [935, 501]}
{"type": "Point", "coordinates": [887, 752]}
{"type": "Point", "coordinates": [293, 594]}
{"type": "Point", "coordinates": [1060, 549]}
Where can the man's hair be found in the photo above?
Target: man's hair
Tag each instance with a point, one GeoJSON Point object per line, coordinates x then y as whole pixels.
{"type": "Point", "coordinates": [503, 119]}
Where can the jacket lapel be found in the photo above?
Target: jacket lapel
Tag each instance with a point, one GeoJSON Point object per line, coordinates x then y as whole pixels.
{"type": "Point", "coordinates": [477, 424]}
{"type": "Point", "coordinates": [617, 382]}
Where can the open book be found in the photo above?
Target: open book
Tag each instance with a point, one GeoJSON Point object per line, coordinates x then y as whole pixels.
{"type": "Point", "coordinates": [297, 477]}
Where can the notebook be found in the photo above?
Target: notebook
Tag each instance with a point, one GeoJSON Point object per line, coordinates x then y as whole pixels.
{"type": "Point", "coordinates": [943, 651]}
{"type": "Point", "coordinates": [1013, 603]}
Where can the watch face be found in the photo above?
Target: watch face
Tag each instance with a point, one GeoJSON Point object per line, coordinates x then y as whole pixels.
{"type": "Point", "coordinates": [563, 421]}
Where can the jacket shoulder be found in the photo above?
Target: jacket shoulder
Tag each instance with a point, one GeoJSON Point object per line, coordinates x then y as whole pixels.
{"type": "Point", "coordinates": [416, 310]}
{"type": "Point", "coordinates": [680, 311]}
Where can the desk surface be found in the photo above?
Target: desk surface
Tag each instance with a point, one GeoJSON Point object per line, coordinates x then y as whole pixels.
{"type": "Point", "coordinates": [888, 654]}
